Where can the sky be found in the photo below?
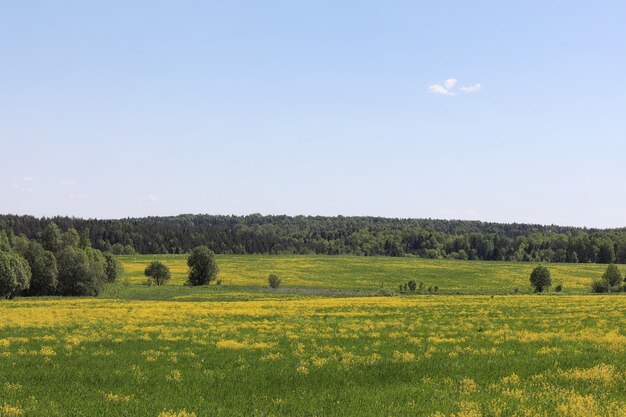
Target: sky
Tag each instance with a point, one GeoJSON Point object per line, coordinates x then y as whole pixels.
{"type": "Point", "coordinates": [504, 111]}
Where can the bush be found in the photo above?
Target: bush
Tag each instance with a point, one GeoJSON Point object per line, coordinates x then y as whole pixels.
{"type": "Point", "coordinates": [612, 276]}
{"type": "Point", "coordinates": [14, 274]}
{"type": "Point", "coordinates": [600, 286]}
{"type": "Point", "coordinates": [412, 285]}
{"type": "Point", "coordinates": [43, 265]}
{"type": "Point", "coordinates": [202, 266]}
{"type": "Point", "coordinates": [274, 280]}
{"type": "Point", "coordinates": [558, 288]}
{"type": "Point", "coordinates": [113, 268]}
{"type": "Point", "coordinates": [158, 272]}
{"type": "Point", "coordinates": [540, 278]}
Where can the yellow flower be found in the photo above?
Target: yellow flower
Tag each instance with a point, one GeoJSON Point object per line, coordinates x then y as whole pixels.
{"type": "Point", "coordinates": [180, 413]}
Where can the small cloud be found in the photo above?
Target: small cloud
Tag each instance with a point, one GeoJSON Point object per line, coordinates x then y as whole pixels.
{"type": "Point", "coordinates": [28, 179]}
{"type": "Point", "coordinates": [440, 89]}
{"type": "Point", "coordinates": [26, 189]}
{"type": "Point", "coordinates": [78, 196]}
{"type": "Point", "coordinates": [450, 83]}
{"type": "Point", "coordinates": [448, 88]}
{"type": "Point", "coordinates": [69, 182]}
{"type": "Point", "coordinates": [149, 198]}
{"type": "Point", "coordinates": [470, 89]}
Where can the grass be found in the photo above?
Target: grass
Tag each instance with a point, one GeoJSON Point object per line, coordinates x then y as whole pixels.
{"type": "Point", "coordinates": [370, 273]}
{"type": "Point", "coordinates": [241, 349]}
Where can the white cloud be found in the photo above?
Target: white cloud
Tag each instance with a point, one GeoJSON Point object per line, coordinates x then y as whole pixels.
{"type": "Point", "coordinates": [149, 198]}
{"type": "Point", "coordinates": [471, 88]}
{"type": "Point", "coordinates": [440, 89]}
{"type": "Point", "coordinates": [449, 88]}
{"type": "Point", "coordinates": [78, 196]}
{"type": "Point", "coordinates": [450, 83]}
{"type": "Point", "coordinates": [69, 182]}
{"type": "Point", "coordinates": [28, 179]}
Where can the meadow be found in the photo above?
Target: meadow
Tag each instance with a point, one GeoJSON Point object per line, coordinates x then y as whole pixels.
{"type": "Point", "coordinates": [358, 273]}
{"type": "Point", "coordinates": [334, 349]}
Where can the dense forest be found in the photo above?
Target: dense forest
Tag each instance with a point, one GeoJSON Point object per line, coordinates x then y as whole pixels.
{"type": "Point", "coordinates": [364, 236]}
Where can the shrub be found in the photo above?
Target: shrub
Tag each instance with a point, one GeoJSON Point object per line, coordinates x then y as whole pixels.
{"type": "Point", "coordinates": [558, 288]}
{"type": "Point", "coordinates": [420, 288]}
{"type": "Point", "coordinates": [540, 278]}
{"type": "Point", "coordinates": [158, 272]}
{"type": "Point", "coordinates": [274, 280]}
{"type": "Point", "coordinates": [612, 276]}
{"type": "Point", "coordinates": [600, 286]}
{"type": "Point", "coordinates": [14, 274]}
{"type": "Point", "coordinates": [412, 285]}
{"type": "Point", "coordinates": [202, 266]}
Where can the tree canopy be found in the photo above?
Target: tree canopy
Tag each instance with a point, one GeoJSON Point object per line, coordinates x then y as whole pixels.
{"type": "Point", "coordinates": [540, 278]}
{"type": "Point", "coordinates": [362, 236]}
{"type": "Point", "coordinates": [202, 266]}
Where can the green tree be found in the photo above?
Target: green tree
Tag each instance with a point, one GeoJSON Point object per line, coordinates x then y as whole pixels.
{"type": "Point", "coordinates": [14, 274]}
{"type": "Point", "coordinates": [540, 278]}
{"type": "Point", "coordinates": [84, 240]}
{"type": "Point", "coordinates": [612, 275]}
{"type": "Point", "coordinates": [274, 280]}
{"type": "Point", "coordinates": [51, 238]}
{"type": "Point", "coordinates": [43, 266]}
{"type": "Point", "coordinates": [606, 253]}
{"type": "Point", "coordinates": [70, 238]}
{"type": "Point", "coordinates": [5, 243]}
{"type": "Point", "coordinates": [202, 266]}
{"type": "Point", "coordinates": [113, 268]}
{"type": "Point", "coordinates": [78, 274]}
{"type": "Point", "coordinates": [97, 265]}
{"type": "Point", "coordinates": [20, 245]}
{"type": "Point", "coordinates": [158, 272]}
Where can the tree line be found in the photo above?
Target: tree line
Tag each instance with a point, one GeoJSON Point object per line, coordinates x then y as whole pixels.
{"type": "Point", "coordinates": [57, 263]}
{"type": "Point", "coordinates": [361, 236]}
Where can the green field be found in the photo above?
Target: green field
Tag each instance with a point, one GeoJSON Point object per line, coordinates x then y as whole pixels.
{"type": "Point", "coordinates": [322, 345]}
{"type": "Point", "coordinates": [371, 273]}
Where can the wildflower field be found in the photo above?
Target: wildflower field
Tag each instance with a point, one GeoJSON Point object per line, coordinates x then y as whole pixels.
{"type": "Point", "coordinates": [243, 350]}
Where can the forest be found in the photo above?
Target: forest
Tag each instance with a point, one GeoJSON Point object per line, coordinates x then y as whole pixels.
{"type": "Point", "coordinates": [360, 236]}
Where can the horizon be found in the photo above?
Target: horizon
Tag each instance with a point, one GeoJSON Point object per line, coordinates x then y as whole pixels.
{"type": "Point", "coordinates": [498, 113]}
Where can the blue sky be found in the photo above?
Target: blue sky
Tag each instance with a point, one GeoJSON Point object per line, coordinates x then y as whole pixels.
{"type": "Point", "coordinates": [116, 109]}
